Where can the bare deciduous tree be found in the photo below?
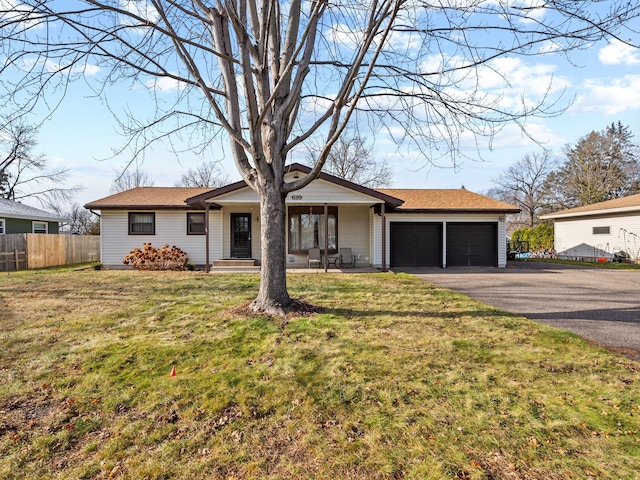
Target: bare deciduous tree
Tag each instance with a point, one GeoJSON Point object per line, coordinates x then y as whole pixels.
{"type": "Point", "coordinates": [24, 174]}
{"type": "Point", "coordinates": [129, 178]}
{"type": "Point", "coordinates": [273, 75]}
{"type": "Point", "coordinates": [209, 174]}
{"type": "Point", "coordinates": [79, 220]}
{"type": "Point", "coordinates": [523, 185]}
{"type": "Point", "coordinates": [352, 159]}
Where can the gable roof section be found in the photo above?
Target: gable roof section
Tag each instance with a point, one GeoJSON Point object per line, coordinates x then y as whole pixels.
{"type": "Point", "coordinates": [160, 198]}
{"type": "Point", "coordinates": [11, 209]}
{"type": "Point", "coordinates": [297, 167]}
{"type": "Point", "coordinates": [447, 200]}
{"type": "Point", "coordinates": [627, 204]}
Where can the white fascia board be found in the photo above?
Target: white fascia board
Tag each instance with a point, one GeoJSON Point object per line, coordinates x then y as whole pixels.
{"type": "Point", "coordinates": [589, 213]}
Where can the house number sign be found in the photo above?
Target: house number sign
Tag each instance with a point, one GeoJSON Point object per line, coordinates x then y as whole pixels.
{"type": "Point", "coordinates": [296, 197]}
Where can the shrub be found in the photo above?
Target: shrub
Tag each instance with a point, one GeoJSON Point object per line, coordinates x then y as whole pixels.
{"type": "Point", "coordinates": [539, 237]}
{"type": "Point", "coordinates": [151, 258]}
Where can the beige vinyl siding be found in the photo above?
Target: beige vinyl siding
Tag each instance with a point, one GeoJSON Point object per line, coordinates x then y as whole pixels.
{"type": "Point", "coordinates": [215, 235]}
{"type": "Point", "coordinates": [170, 228]}
{"type": "Point", "coordinates": [353, 232]}
{"type": "Point", "coordinates": [319, 191]}
{"type": "Point", "coordinates": [316, 193]}
{"type": "Point", "coordinates": [574, 238]}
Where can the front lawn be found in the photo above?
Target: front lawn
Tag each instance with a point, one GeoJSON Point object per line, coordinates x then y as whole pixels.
{"type": "Point", "coordinates": [394, 379]}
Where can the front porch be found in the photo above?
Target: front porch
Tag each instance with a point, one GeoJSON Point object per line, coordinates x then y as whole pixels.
{"type": "Point", "coordinates": [294, 269]}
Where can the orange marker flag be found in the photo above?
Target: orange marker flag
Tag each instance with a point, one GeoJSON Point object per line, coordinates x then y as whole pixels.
{"type": "Point", "coordinates": [173, 371]}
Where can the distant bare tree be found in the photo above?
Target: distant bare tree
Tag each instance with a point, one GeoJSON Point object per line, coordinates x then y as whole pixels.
{"type": "Point", "coordinates": [209, 174]}
{"type": "Point", "coordinates": [24, 174]}
{"type": "Point", "coordinates": [353, 159]}
{"type": "Point", "coordinates": [129, 178]}
{"type": "Point", "coordinates": [79, 220]}
{"type": "Point", "coordinates": [523, 184]}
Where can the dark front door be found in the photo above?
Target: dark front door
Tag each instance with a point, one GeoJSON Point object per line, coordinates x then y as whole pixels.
{"type": "Point", "coordinates": [240, 235]}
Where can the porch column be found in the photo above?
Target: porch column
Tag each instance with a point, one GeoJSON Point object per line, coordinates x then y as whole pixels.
{"type": "Point", "coordinates": [206, 236]}
{"type": "Point", "coordinates": [384, 238]}
{"type": "Point", "coordinates": [326, 238]}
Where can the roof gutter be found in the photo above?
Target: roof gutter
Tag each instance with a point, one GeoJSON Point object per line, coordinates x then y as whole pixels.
{"type": "Point", "coordinates": [590, 213]}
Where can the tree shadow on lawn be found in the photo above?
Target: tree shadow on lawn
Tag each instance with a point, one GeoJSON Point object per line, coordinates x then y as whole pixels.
{"type": "Point", "coordinates": [435, 313]}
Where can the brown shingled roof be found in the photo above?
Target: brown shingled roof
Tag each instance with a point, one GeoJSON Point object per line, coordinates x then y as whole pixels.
{"type": "Point", "coordinates": [148, 197]}
{"type": "Point", "coordinates": [414, 199]}
{"type": "Point", "coordinates": [448, 200]}
{"type": "Point", "coordinates": [632, 202]}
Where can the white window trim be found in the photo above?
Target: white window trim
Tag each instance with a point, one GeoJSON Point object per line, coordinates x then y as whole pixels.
{"type": "Point", "coordinates": [3, 226]}
{"type": "Point", "coordinates": [33, 226]}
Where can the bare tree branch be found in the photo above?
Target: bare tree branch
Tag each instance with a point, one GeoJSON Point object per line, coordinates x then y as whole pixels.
{"type": "Point", "coordinates": [24, 174]}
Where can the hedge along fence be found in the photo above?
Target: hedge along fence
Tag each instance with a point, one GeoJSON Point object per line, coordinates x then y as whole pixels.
{"type": "Point", "coordinates": [30, 250]}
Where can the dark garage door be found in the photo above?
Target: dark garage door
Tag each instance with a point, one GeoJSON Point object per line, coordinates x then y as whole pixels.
{"type": "Point", "coordinates": [416, 244]}
{"type": "Point", "coordinates": [472, 244]}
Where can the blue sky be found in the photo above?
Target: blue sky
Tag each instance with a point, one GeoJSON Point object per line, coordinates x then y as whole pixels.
{"type": "Point", "coordinates": [600, 86]}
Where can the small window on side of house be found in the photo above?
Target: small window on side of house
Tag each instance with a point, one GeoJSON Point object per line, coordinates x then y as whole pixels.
{"type": "Point", "coordinates": [195, 224]}
{"type": "Point", "coordinates": [142, 223]}
{"type": "Point", "coordinates": [39, 227]}
{"type": "Point", "coordinates": [3, 228]}
{"type": "Point", "coordinates": [601, 230]}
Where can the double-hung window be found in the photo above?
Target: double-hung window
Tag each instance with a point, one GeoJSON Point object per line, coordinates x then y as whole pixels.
{"type": "Point", "coordinates": [195, 224]}
{"type": "Point", "coordinates": [142, 223]}
{"type": "Point", "coordinates": [39, 227]}
{"type": "Point", "coordinates": [3, 228]}
{"type": "Point", "coordinates": [307, 229]}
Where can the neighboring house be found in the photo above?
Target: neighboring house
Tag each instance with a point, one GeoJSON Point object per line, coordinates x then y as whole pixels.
{"type": "Point", "coordinates": [391, 227]}
{"type": "Point", "coordinates": [18, 218]}
{"type": "Point", "coordinates": [599, 230]}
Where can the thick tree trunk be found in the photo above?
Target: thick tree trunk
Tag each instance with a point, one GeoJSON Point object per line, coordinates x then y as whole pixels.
{"type": "Point", "coordinates": [272, 297]}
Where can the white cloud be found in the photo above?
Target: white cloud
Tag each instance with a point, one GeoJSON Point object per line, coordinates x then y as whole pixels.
{"type": "Point", "coordinates": [617, 53]}
{"type": "Point", "coordinates": [549, 47]}
{"type": "Point", "coordinates": [620, 94]}
{"type": "Point", "coordinates": [15, 10]}
{"type": "Point", "coordinates": [164, 84]}
{"type": "Point", "coordinates": [54, 67]}
{"type": "Point", "coordinates": [140, 9]}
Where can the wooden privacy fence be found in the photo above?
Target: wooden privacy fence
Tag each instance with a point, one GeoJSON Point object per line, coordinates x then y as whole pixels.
{"type": "Point", "coordinates": [21, 251]}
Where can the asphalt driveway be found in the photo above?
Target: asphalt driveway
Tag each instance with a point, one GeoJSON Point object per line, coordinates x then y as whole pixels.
{"type": "Point", "coordinates": [598, 304]}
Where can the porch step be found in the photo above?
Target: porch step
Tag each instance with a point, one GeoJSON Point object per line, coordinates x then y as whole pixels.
{"type": "Point", "coordinates": [235, 262]}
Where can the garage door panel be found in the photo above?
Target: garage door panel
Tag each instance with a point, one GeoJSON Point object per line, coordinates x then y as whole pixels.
{"type": "Point", "coordinates": [472, 244]}
{"type": "Point", "coordinates": [416, 244]}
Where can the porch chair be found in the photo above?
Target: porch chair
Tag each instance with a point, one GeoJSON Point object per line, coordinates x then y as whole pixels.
{"type": "Point", "coordinates": [347, 259]}
{"type": "Point", "coordinates": [314, 257]}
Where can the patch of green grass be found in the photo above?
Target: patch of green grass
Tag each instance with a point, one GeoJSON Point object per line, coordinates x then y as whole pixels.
{"type": "Point", "coordinates": [396, 378]}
